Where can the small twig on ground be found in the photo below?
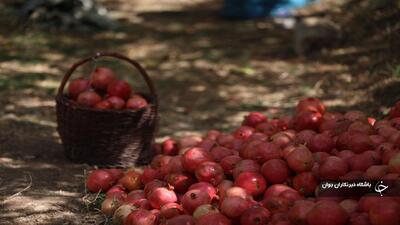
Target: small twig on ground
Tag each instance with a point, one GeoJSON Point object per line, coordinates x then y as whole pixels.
{"type": "Point", "coordinates": [20, 192]}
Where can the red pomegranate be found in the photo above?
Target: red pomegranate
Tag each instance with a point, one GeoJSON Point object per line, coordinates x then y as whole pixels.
{"type": "Point", "coordinates": [385, 212]}
{"type": "Point", "coordinates": [275, 171]}
{"type": "Point", "coordinates": [116, 102]}
{"type": "Point", "coordinates": [205, 187]}
{"type": "Point", "coordinates": [327, 213]}
{"type": "Point", "coordinates": [300, 159]}
{"type": "Point", "coordinates": [136, 102]}
{"type": "Point", "coordinates": [244, 132]}
{"type": "Point", "coordinates": [181, 220]}
{"type": "Point", "coordinates": [210, 172]}
{"type": "Point", "coordinates": [101, 78]}
{"type": "Point", "coordinates": [298, 213]}
{"type": "Point", "coordinates": [192, 158]}
{"type": "Point", "coordinates": [119, 88]}
{"type": "Point", "coordinates": [255, 216]}
{"type": "Point", "coordinates": [194, 198]}
{"type": "Point", "coordinates": [171, 210]}
{"type": "Point", "coordinates": [310, 104]}
{"type": "Point", "coordinates": [88, 98]}
{"type": "Point", "coordinates": [333, 168]}
{"type": "Point", "coordinates": [213, 219]}
{"type": "Point", "coordinates": [170, 147]}
{"type": "Point", "coordinates": [234, 207]}
{"type": "Point", "coordinates": [77, 86]}
{"type": "Point", "coordinates": [141, 217]}
{"type": "Point", "coordinates": [307, 120]}
{"type": "Point", "coordinates": [321, 143]}
{"type": "Point", "coordinates": [304, 137]}
{"type": "Point", "coordinates": [160, 196]}
{"type": "Point", "coordinates": [104, 104]}
{"type": "Point", "coordinates": [254, 183]}
{"type": "Point", "coordinates": [219, 152]}
{"type": "Point", "coordinates": [305, 183]}
{"type": "Point", "coordinates": [229, 162]}
{"type": "Point", "coordinates": [253, 119]}
{"type": "Point", "coordinates": [246, 165]}
{"type": "Point", "coordinates": [99, 180]}
{"type": "Point", "coordinates": [180, 181]}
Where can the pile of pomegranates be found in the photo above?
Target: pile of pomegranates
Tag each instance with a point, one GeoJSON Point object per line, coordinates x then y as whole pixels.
{"type": "Point", "coordinates": [104, 91]}
{"type": "Point", "coordinates": [267, 171]}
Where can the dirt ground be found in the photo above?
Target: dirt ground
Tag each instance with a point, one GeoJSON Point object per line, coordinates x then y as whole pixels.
{"type": "Point", "coordinates": [208, 72]}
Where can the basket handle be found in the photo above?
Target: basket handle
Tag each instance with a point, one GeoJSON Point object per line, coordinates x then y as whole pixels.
{"type": "Point", "coordinates": [142, 72]}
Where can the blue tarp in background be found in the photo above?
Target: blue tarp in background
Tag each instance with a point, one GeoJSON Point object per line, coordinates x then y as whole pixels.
{"type": "Point", "coordinates": [247, 9]}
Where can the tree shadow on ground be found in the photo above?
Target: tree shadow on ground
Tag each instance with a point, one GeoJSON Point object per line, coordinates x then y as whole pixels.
{"type": "Point", "coordinates": [208, 73]}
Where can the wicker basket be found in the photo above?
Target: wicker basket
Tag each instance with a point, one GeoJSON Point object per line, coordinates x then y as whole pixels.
{"type": "Point", "coordinates": [101, 137]}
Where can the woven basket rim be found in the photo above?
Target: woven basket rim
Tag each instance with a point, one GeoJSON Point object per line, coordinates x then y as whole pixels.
{"type": "Point", "coordinates": [66, 101]}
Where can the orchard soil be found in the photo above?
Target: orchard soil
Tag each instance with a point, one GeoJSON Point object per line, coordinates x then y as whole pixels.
{"type": "Point", "coordinates": [209, 72]}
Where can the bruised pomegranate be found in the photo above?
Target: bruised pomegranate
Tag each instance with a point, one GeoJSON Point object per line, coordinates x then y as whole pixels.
{"type": "Point", "coordinates": [205, 209]}
{"type": "Point", "coordinates": [305, 183]}
{"type": "Point", "coordinates": [205, 187]}
{"type": "Point", "coordinates": [229, 162]}
{"type": "Point", "coordinates": [193, 199]}
{"type": "Point", "coordinates": [180, 181]}
{"type": "Point", "coordinates": [131, 180]}
{"type": "Point", "coordinates": [254, 183]}
{"type": "Point", "coordinates": [101, 78]}
{"type": "Point", "coordinates": [77, 86]}
{"type": "Point", "coordinates": [210, 172]}
{"type": "Point", "coordinates": [275, 171]}
{"type": "Point", "coordinates": [255, 216]}
{"type": "Point", "coordinates": [277, 204]}
{"type": "Point", "coordinates": [244, 132]}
